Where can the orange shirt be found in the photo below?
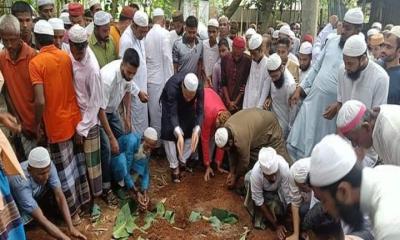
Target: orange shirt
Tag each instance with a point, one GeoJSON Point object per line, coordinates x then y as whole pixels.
{"type": "Point", "coordinates": [19, 86]}
{"type": "Point", "coordinates": [116, 35]}
{"type": "Point", "coordinates": [53, 68]}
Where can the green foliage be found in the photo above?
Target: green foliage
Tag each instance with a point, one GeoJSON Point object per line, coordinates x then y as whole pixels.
{"type": "Point", "coordinates": [125, 223]}
{"type": "Point", "coordinates": [194, 216]}
{"type": "Point", "coordinates": [224, 216]}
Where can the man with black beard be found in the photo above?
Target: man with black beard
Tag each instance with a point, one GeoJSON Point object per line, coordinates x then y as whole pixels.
{"type": "Point", "coordinates": [348, 192]}
{"type": "Point", "coordinates": [305, 56]}
{"type": "Point", "coordinates": [359, 78]}
{"type": "Point", "coordinates": [320, 87]}
{"type": "Point", "coordinates": [282, 87]}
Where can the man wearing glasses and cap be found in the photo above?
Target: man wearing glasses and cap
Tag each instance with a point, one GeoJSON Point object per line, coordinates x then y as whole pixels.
{"type": "Point", "coordinates": [182, 115]}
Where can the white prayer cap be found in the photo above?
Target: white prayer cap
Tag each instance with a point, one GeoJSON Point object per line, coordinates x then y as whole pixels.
{"type": "Point", "coordinates": [306, 48]}
{"type": "Point", "coordinates": [250, 32]}
{"type": "Point", "coordinates": [291, 34]}
{"type": "Point", "coordinates": [213, 23]}
{"type": "Point", "coordinates": [331, 160]}
{"type": "Point", "coordinates": [372, 31]}
{"type": "Point", "coordinates": [158, 12]}
{"type": "Point", "coordinates": [43, 27]}
{"type": "Point", "coordinates": [268, 159]}
{"type": "Point", "coordinates": [255, 41]}
{"type": "Point", "coordinates": [350, 115]}
{"type": "Point", "coordinates": [91, 3]}
{"type": "Point", "coordinates": [45, 2]}
{"type": "Point", "coordinates": [56, 23]}
{"type": "Point", "coordinates": [285, 29]}
{"type": "Point", "coordinates": [355, 46]}
{"type": "Point", "coordinates": [65, 17]}
{"type": "Point", "coordinates": [141, 19]}
{"type": "Point", "coordinates": [300, 170]}
{"type": "Point", "coordinates": [396, 31]}
{"type": "Point", "coordinates": [274, 62]}
{"type": "Point", "coordinates": [221, 137]}
{"type": "Point", "coordinates": [39, 158]}
{"type": "Point", "coordinates": [354, 16]}
{"type": "Point", "coordinates": [377, 25]}
{"type": "Point", "coordinates": [191, 82]}
{"type": "Point", "coordinates": [101, 18]}
{"type": "Point", "coordinates": [275, 34]}
{"type": "Point", "coordinates": [77, 34]}
{"type": "Point", "coordinates": [150, 133]}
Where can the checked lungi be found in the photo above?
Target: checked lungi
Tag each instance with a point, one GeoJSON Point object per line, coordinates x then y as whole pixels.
{"type": "Point", "coordinates": [10, 222]}
{"type": "Point", "coordinates": [71, 169]}
{"type": "Point", "coordinates": [91, 146]}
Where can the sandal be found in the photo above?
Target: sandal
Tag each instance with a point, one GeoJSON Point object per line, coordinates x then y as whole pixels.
{"type": "Point", "coordinates": [175, 176]}
{"type": "Point", "coordinates": [110, 198]}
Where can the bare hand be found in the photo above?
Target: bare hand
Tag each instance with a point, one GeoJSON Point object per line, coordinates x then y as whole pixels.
{"type": "Point", "coordinates": [281, 232]}
{"type": "Point", "coordinates": [144, 97]}
{"type": "Point", "coordinates": [128, 125]}
{"type": "Point", "coordinates": [330, 111]}
{"type": "Point", "coordinates": [293, 237]}
{"type": "Point", "coordinates": [10, 122]}
{"type": "Point", "coordinates": [267, 103]}
{"type": "Point", "coordinates": [232, 106]}
{"type": "Point", "coordinates": [208, 82]}
{"type": "Point", "coordinates": [78, 139]}
{"type": "Point", "coordinates": [294, 99]}
{"type": "Point", "coordinates": [143, 201]}
{"type": "Point", "coordinates": [231, 180]}
{"type": "Point", "coordinates": [179, 146]}
{"type": "Point", "coordinates": [208, 174]}
{"type": "Point", "coordinates": [76, 234]}
{"type": "Point", "coordinates": [195, 141]}
{"type": "Point", "coordinates": [114, 145]}
{"type": "Point", "coordinates": [221, 170]}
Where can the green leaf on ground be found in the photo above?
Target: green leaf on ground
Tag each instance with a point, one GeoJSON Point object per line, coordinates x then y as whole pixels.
{"type": "Point", "coordinates": [124, 224]}
{"type": "Point", "coordinates": [160, 209]}
{"type": "Point", "coordinates": [215, 223]}
{"type": "Point", "coordinates": [194, 216]}
{"type": "Point", "coordinates": [169, 216]}
{"type": "Point", "coordinates": [148, 220]}
{"type": "Point", "coordinates": [225, 216]}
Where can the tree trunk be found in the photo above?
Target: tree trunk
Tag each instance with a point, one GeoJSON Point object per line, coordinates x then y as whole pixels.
{"type": "Point", "coordinates": [309, 13]}
{"type": "Point", "coordinates": [265, 18]}
{"type": "Point", "coordinates": [231, 9]}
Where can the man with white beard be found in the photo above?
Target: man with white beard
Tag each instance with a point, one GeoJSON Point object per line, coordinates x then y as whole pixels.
{"type": "Point", "coordinates": [133, 37]}
{"type": "Point", "coordinates": [159, 65]}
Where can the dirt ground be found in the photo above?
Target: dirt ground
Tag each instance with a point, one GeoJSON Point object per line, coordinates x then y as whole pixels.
{"type": "Point", "coordinates": [192, 194]}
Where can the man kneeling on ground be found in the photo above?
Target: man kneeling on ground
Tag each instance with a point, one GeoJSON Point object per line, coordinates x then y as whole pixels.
{"type": "Point", "coordinates": [134, 159]}
{"type": "Point", "coordinates": [41, 174]}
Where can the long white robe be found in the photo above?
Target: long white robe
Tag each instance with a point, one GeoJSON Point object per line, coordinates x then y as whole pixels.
{"type": "Point", "coordinates": [258, 85]}
{"type": "Point", "coordinates": [379, 199]}
{"type": "Point", "coordinates": [386, 134]}
{"type": "Point", "coordinates": [159, 70]}
{"type": "Point", "coordinates": [140, 119]}
{"type": "Point", "coordinates": [310, 126]}
{"type": "Point", "coordinates": [210, 57]}
{"type": "Point", "coordinates": [280, 102]}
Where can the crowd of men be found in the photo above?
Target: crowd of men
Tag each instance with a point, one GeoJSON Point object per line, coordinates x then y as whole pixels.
{"type": "Point", "coordinates": [298, 123]}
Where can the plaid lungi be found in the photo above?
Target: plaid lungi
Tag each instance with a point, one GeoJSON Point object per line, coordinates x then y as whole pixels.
{"type": "Point", "coordinates": [10, 222]}
{"type": "Point", "coordinates": [71, 169]}
{"type": "Point", "coordinates": [91, 146]}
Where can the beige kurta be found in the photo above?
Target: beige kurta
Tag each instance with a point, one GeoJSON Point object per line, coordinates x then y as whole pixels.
{"type": "Point", "coordinates": [253, 129]}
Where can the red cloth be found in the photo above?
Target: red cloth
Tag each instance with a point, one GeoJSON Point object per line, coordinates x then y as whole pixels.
{"type": "Point", "coordinates": [239, 42]}
{"type": "Point", "coordinates": [308, 38]}
{"type": "Point", "coordinates": [75, 9]}
{"type": "Point", "coordinates": [213, 104]}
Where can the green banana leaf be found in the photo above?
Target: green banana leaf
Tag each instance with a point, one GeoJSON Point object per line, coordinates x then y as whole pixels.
{"type": "Point", "coordinates": [125, 223]}
{"type": "Point", "coordinates": [194, 216]}
{"type": "Point", "coordinates": [169, 216]}
{"type": "Point", "coordinates": [225, 216]}
{"type": "Point", "coordinates": [215, 223]}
